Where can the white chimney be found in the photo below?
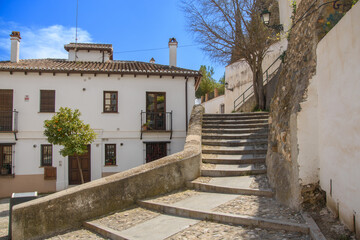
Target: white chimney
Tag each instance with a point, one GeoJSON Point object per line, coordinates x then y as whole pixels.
{"type": "Point", "coordinates": [15, 43]}
{"type": "Point", "coordinates": [152, 60]}
{"type": "Point", "coordinates": [172, 52]}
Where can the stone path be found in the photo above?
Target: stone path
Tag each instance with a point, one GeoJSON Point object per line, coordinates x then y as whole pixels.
{"type": "Point", "coordinates": [233, 189]}
{"type": "Point", "coordinates": [231, 192]}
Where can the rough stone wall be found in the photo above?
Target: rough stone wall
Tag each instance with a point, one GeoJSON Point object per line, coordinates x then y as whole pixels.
{"type": "Point", "coordinates": [299, 67]}
{"type": "Point", "coordinates": [70, 208]}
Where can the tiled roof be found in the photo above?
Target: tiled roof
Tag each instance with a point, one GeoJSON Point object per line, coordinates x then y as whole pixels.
{"type": "Point", "coordinates": [89, 46]}
{"type": "Point", "coordinates": [109, 67]}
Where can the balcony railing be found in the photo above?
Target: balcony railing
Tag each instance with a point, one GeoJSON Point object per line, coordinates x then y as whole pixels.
{"type": "Point", "coordinates": [8, 121]}
{"type": "Point", "coordinates": [156, 122]}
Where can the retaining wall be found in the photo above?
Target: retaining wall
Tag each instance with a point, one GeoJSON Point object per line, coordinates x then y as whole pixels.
{"type": "Point", "coordinates": [70, 208]}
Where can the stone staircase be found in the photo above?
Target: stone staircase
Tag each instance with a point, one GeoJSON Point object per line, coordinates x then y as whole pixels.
{"type": "Point", "coordinates": [231, 199]}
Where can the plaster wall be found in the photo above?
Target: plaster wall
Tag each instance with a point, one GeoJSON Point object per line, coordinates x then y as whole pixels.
{"type": "Point", "coordinates": [338, 72]}
{"type": "Point", "coordinates": [86, 94]}
{"type": "Point", "coordinates": [89, 56]}
{"type": "Point", "coordinates": [307, 136]}
{"type": "Point", "coordinates": [213, 105]}
{"type": "Point", "coordinates": [285, 10]}
{"type": "Point", "coordinates": [238, 75]}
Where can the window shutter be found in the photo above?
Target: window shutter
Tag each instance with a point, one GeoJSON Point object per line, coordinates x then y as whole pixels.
{"type": "Point", "coordinates": [47, 100]}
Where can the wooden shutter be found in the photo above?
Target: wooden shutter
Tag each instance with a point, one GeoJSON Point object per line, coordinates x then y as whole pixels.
{"type": "Point", "coordinates": [47, 100]}
{"type": "Point", "coordinates": [49, 173]}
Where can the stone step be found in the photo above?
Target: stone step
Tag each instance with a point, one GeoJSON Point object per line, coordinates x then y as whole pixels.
{"type": "Point", "coordinates": [235, 126]}
{"type": "Point", "coordinates": [235, 148]}
{"type": "Point", "coordinates": [235, 117]}
{"type": "Point", "coordinates": [226, 173]}
{"type": "Point", "coordinates": [234, 122]}
{"type": "Point", "coordinates": [247, 142]}
{"type": "Point", "coordinates": [238, 114]}
{"type": "Point", "coordinates": [234, 161]}
{"type": "Point", "coordinates": [234, 137]}
{"type": "Point", "coordinates": [235, 131]}
{"type": "Point", "coordinates": [226, 218]}
{"type": "Point", "coordinates": [235, 152]}
{"type": "Point", "coordinates": [206, 187]}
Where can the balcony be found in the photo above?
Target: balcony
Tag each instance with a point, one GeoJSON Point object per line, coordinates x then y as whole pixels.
{"type": "Point", "coordinates": [8, 121]}
{"type": "Point", "coordinates": [156, 122]}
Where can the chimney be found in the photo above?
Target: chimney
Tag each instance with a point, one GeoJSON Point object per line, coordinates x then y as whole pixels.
{"type": "Point", "coordinates": [152, 60]}
{"type": "Point", "coordinates": [15, 43]}
{"type": "Point", "coordinates": [172, 52]}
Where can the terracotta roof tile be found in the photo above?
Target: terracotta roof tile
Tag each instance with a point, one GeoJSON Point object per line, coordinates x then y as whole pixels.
{"type": "Point", "coordinates": [117, 67]}
{"type": "Point", "coordinates": [89, 46]}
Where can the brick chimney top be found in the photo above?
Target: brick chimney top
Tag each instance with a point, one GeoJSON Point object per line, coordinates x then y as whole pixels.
{"type": "Point", "coordinates": [15, 34]}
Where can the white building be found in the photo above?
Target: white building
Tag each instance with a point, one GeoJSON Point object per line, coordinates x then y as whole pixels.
{"type": "Point", "coordinates": [115, 97]}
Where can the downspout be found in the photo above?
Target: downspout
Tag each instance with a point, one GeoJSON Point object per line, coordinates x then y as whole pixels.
{"type": "Point", "coordinates": [186, 103]}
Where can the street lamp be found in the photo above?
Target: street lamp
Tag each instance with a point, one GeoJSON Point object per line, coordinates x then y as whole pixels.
{"type": "Point", "coordinates": [265, 17]}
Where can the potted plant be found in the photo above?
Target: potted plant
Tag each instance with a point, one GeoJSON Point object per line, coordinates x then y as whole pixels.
{"type": "Point", "coordinates": [146, 125]}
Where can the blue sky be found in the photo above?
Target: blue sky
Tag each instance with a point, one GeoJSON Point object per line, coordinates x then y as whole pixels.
{"type": "Point", "coordinates": [46, 25]}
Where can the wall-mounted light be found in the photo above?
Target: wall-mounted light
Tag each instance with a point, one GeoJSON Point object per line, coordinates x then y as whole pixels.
{"type": "Point", "coordinates": [265, 17]}
{"type": "Point", "coordinates": [227, 87]}
{"type": "Point", "coordinates": [34, 146]}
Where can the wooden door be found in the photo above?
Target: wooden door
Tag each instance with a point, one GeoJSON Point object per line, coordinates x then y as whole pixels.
{"type": "Point", "coordinates": [6, 108]}
{"type": "Point", "coordinates": [74, 175]}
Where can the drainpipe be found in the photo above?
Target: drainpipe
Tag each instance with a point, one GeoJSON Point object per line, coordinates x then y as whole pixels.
{"type": "Point", "coordinates": [186, 103]}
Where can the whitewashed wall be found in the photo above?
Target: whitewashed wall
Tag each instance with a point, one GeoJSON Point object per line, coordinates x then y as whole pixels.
{"type": "Point", "coordinates": [239, 75]}
{"type": "Point", "coordinates": [89, 56]}
{"type": "Point", "coordinates": [86, 94]}
{"type": "Point", "coordinates": [213, 105]}
{"type": "Point", "coordinates": [328, 125]}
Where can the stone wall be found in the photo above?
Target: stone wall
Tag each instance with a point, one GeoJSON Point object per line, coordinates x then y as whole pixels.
{"type": "Point", "coordinates": [70, 208]}
{"type": "Point", "coordinates": [299, 67]}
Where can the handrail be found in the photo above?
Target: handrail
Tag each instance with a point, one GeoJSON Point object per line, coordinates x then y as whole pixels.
{"type": "Point", "coordinates": [156, 121]}
{"type": "Point", "coordinates": [242, 96]}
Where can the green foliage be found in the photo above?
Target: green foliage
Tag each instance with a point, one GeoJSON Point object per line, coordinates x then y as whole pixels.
{"type": "Point", "coordinates": [354, 2]}
{"type": "Point", "coordinates": [208, 83]}
{"type": "Point", "coordinates": [66, 129]}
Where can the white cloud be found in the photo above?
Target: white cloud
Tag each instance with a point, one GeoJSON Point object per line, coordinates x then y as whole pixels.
{"type": "Point", "coordinates": [35, 43]}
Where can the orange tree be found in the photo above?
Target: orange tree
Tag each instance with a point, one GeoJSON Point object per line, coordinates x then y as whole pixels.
{"type": "Point", "coordinates": [66, 129]}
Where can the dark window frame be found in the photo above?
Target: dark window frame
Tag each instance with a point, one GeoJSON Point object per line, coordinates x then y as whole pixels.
{"type": "Point", "coordinates": [44, 161]}
{"type": "Point", "coordinates": [47, 101]}
{"type": "Point", "coordinates": [108, 160]}
{"type": "Point", "coordinates": [2, 157]}
{"type": "Point", "coordinates": [149, 156]}
{"type": "Point", "coordinates": [104, 102]}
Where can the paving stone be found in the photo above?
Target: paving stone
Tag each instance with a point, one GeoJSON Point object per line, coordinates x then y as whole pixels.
{"type": "Point", "coordinates": [76, 234]}
{"type": "Point", "coordinates": [126, 219]}
{"type": "Point", "coordinates": [217, 231]}
{"type": "Point", "coordinates": [260, 207]}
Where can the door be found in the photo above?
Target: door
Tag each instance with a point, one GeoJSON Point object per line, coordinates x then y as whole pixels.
{"type": "Point", "coordinates": [155, 151]}
{"type": "Point", "coordinates": [6, 108]}
{"type": "Point", "coordinates": [74, 175]}
{"type": "Point", "coordinates": [156, 110]}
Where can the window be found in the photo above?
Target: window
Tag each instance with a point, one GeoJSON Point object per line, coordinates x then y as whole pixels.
{"type": "Point", "coordinates": [46, 155]}
{"type": "Point", "coordinates": [5, 159]}
{"type": "Point", "coordinates": [110, 102]}
{"type": "Point", "coordinates": [47, 100]}
{"type": "Point", "coordinates": [155, 150]}
{"type": "Point", "coordinates": [6, 110]}
{"type": "Point", "coordinates": [110, 154]}
{"type": "Point", "coordinates": [156, 110]}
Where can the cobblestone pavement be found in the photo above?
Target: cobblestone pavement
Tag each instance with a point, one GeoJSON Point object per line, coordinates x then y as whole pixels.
{"type": "Point", "coordinates": [218, 231]}
{"type": "Point", "coordinates": [260, 182]}
{"type": "Point", "coordinates": [126, 219]}
{"type": "Point", "coordinates": [4, 218]}
{"type": "Point", "coordinates": [260, 207]}
{"type": "Point", "coordinates": [76, 234]}
{"type": "Point", "coordinates": [175, 196]}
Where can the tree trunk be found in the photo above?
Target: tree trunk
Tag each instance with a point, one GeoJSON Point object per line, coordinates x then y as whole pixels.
{"type": "Point", "coordinates": [80, 170]}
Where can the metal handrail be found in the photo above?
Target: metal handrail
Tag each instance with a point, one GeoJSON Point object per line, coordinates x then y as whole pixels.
{"type": "Point", "coordinates": [156, 121]}
{"type": "Point", "coordinates": [242, 96]}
